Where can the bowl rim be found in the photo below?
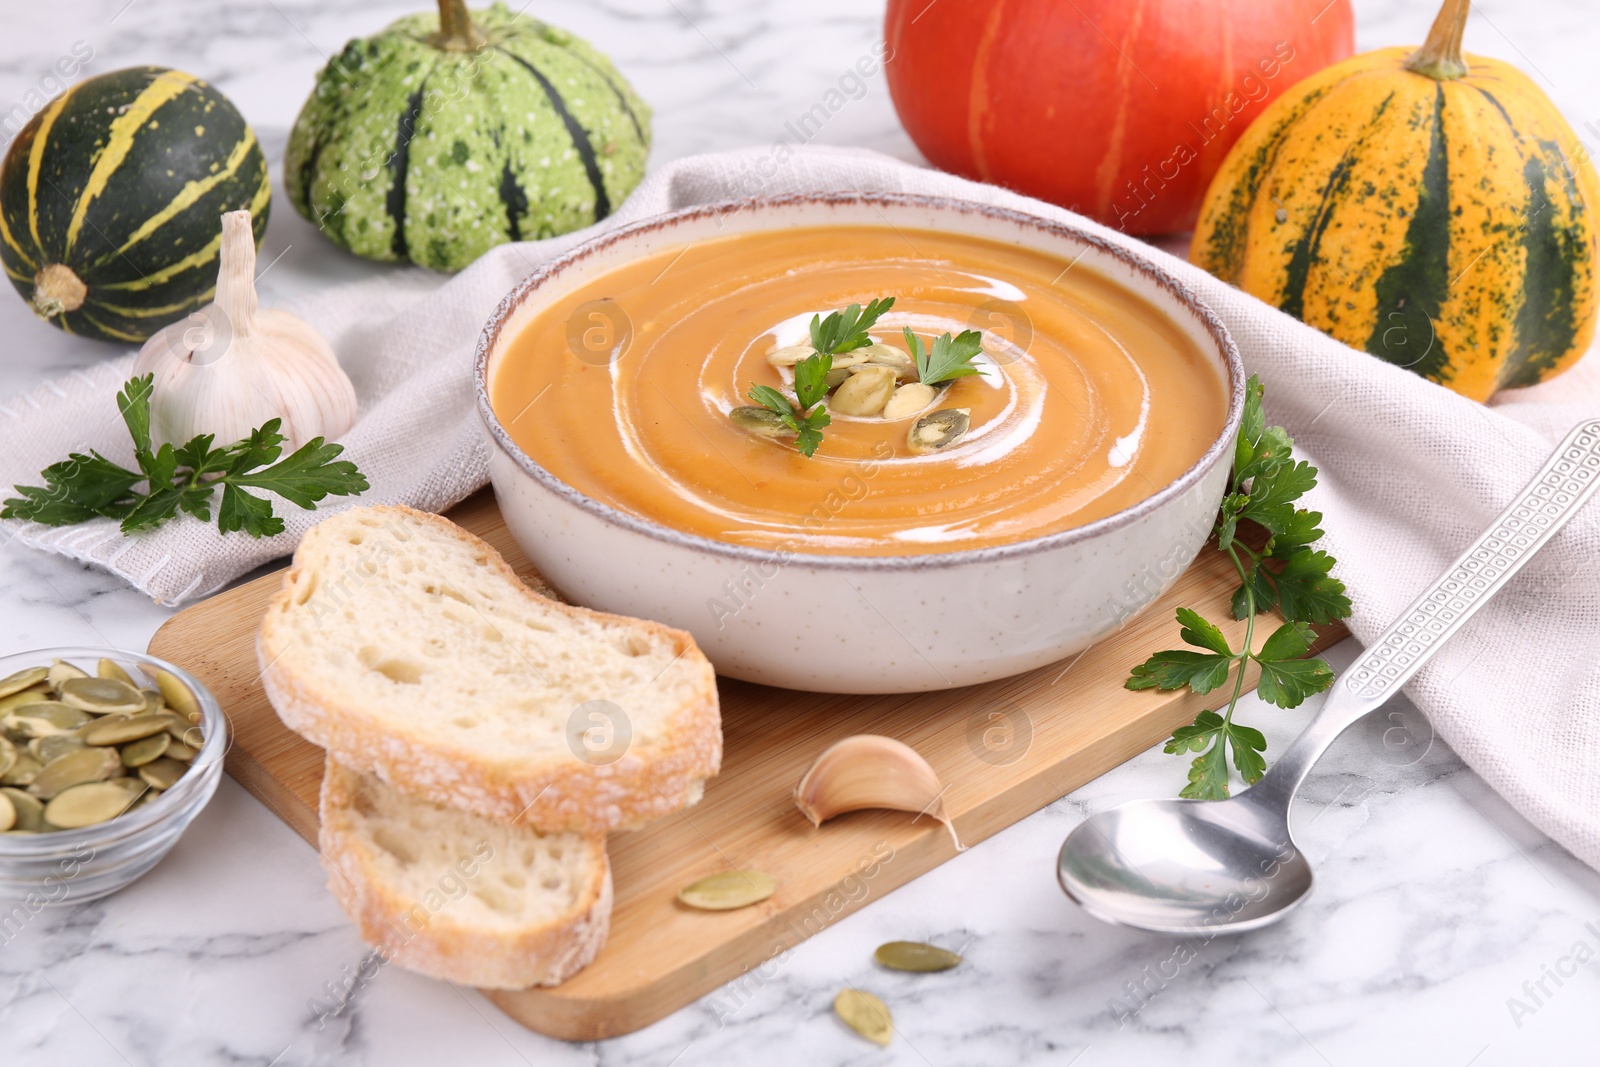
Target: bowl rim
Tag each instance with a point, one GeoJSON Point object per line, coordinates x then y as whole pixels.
{"type": "Point", "coordinates": [184, 800]}
{"type": "Point", "coordinates": [1177, 290]}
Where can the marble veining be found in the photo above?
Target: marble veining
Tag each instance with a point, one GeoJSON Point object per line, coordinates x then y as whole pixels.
{"type": "Point", "coordinates": [1444, 929]}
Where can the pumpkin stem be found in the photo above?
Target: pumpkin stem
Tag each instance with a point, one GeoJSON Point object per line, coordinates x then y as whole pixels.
{"type": "Point", "coordinates": [456, 32]}
{"type": "Point", "coordinates": [56, 290]}
{"type": "Point", "coordinates": [236, 275]}
{"type": "Point", "coordinates": [1440, 55]}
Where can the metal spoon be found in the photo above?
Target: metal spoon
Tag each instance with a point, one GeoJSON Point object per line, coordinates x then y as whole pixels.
{"type": "Point", "coordinates": [1186, 866]}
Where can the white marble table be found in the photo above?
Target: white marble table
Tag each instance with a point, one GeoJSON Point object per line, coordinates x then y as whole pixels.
{"type": "Point", "coordinates": [1436, 903]}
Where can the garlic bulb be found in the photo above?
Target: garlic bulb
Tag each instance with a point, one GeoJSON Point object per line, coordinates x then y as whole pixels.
{"type": "Point", "coordinates": [230, 366]}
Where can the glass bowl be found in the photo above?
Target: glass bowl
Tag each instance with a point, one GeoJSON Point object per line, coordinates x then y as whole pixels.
{"type": "Point", "coordinates": [74, 866]}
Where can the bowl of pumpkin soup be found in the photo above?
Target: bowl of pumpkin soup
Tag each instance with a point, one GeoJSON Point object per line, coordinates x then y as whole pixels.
{"type": "Point", "coordinates": [860, 443]}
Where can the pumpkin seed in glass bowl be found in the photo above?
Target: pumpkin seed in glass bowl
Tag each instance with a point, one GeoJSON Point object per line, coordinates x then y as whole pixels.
{"type": "Point", "coordinates": [105, 758]}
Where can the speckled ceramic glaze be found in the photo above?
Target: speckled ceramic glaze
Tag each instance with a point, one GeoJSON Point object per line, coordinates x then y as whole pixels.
{"type": "Point", "coordinates": [893, 623]}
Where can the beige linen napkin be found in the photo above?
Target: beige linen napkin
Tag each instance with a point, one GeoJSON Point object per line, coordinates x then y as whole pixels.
{"type": "Point", "coordinates": [1410, 471]}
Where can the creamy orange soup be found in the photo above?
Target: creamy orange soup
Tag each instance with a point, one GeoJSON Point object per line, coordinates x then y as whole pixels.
{"type": "Point", "coordinates": [1090, 400]}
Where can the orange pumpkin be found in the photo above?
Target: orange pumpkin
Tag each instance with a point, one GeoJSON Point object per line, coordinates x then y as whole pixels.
{"type": "Point", "coordinates": [1121, 110]}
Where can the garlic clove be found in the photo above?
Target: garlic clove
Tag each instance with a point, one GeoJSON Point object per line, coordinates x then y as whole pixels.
{"type": "Point", "coordinates": [231, 366]}
{"type": "Point", "coordinates": [871, 771]}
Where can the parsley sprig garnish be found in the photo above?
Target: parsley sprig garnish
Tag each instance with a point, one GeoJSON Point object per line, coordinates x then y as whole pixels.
{"type": "Point", "coordinates": [1287, 573]}
{"type": "Point", "coordinates": [810, 415]}
{"type": "Point", "coordinates": [841, 331]}
{"type": "Point", "coordinates": [185, 478]}
{"type": "Point", "coordinates": [951, 357]}
{"type": "Point", "coordinates": [846, 331]}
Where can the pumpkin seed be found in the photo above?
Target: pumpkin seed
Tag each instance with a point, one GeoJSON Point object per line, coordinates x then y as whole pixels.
{"type": "Point", "coordinates": [865, 1014]}
{"type": "Point", "coordinates": [23, 770]}
{"type": "Point", "coordinates": [137, 787]}
{"type": "Point", "coordinates": [728, 890]}
{"type": "Point", "coordinates": [100, 696]}
{"type": "Point", "coordinates": [29, 809]}
{"type": "Point", "coordinates": [177, 695]}
{"type": "Point", "coordinates": [180, 751]}
{"type": "Point", "coordinates": [915, 956]}
{"type": "Point", "coordinates": [46, 749]}
{"type": "Point", "coordinates": [867, 391]}
{"type": "Point", "coordinates": [23, 679]}
{"type": "Point", "coordinates": [836, 377]}
{"type": "Point", "coordinates": [888, 356]}
{"type": "Point", "coordinates": [938, 430]}
{"type": "Point", "coordinates": [163, 773]}
{"type": "Point", "coordinates": [146, 749]}
{"type": "Point", "coordinates": [8, 754]}
{"type": "Point", "coordinates": [60, 671]}
{"type": "Point", "coordinates": [8, 813]}
{"type": "Point", "coordinates": [185, 732]}
{"type": "Point", "coordinates": [121, 731]}
{"type": "Point", "coordinates": [909, 400]}
{"type": "Point", "coordinates": [86, 805]}
{"type": "Point", "coordinates": [760, 421]}
{"type": "Point", "coordinates": [75, 768]}
{"type": "Point", "coordinates": [109, 669]}
{"type": "Point", "coordinates": [42, 718]}
{"type": "Point", "coordinates": [152, 702]}
{"type": "Point", "coordinates": [789, 355]}
{"type": "Point", "coordinates": [32, 695]}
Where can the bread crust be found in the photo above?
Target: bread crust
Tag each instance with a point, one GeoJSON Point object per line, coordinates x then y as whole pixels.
{"type": "Point", "coordinates": [551, 795]}
{"type": "Point", "coordinates": [438, 946]}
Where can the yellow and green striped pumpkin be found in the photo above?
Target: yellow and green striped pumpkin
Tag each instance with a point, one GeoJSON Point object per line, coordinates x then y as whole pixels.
{"type": "Point", "coordinates": [111, 201]}
{"type": "Point", "coordinates": [1432, 209]}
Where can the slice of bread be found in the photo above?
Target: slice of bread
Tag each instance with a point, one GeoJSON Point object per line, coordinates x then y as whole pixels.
{"type": "Point", "coordinates": [457, 896]}
{"type": "Point", "coordinates": [408, 648]}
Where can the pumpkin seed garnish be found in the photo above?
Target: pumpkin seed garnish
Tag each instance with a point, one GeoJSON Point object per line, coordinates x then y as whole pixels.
{"type": "Point", "coordinates": [100, 696]}
{"type": "Point", "coordinates": [865, 393]}
{"type": "Point", "coordinates": [938, 430]}
{"type": "Point", "coordinates": [728, 890]}
{"type": "Point", "coordinates": [109, 669]}
{"type": "Point", "coordinates": [163, 773]}
{"type": "Point", "coordinates": [865, 1014]}
{"type": "Point", "coordinates": [146, 749]}
{"type": "Point", "coordinates": [60, 671]}
{"type": "Point", "coordinates": [121, 731]}
{"type": "Point", "coordinates": [8, 813]}
{"type": "Point", "coordinates": [789, 355]}
{"type": "Point", "coordinates": [760, 421]}
{"type": "Point", "coordinates": [908, 400]}
{"type": "Point", "coordinates": [177, 695]}
{"type": "Point", "coordinates": [75, 768]}
{"type": "Point", "coordinates": [86, 805]}
{"type": "Point", "coordinates": [915, 956]}
{"type": "Point", "coordinates": [23, 679]}
{"type": "Point", "coordinates": [29, 809]}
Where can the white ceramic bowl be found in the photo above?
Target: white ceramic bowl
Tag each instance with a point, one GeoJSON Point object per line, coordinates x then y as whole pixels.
{"type": "Point", "coordinates": [894, 623]}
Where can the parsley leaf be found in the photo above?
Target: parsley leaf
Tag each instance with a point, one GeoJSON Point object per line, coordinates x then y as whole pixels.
{"type": "Point", "coordinates": [846, 331]}
{"type": "Point", "coordinates": [185, 478]}
{"type": "Point", "coordinates": [1178, 667]}
{"type": "Point", "coordinates": [950, 359]}
{"type": "Point", "coordinates": [1265, 484]}
{"type": "Point", "coordinates": [808, 417]}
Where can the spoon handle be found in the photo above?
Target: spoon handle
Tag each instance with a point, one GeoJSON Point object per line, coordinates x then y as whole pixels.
{"type": "Point", "coordinates": [1569, 477]}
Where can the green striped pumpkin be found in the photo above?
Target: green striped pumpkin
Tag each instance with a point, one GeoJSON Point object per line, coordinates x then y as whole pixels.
{"type": "Point", "coordinates": [438, 139]}
{"type": "Point", "coordinates": [110, 201]}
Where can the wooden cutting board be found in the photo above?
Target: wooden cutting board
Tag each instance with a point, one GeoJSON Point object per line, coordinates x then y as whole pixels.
{"type": "Point", "coordinates": [1004, 750]}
